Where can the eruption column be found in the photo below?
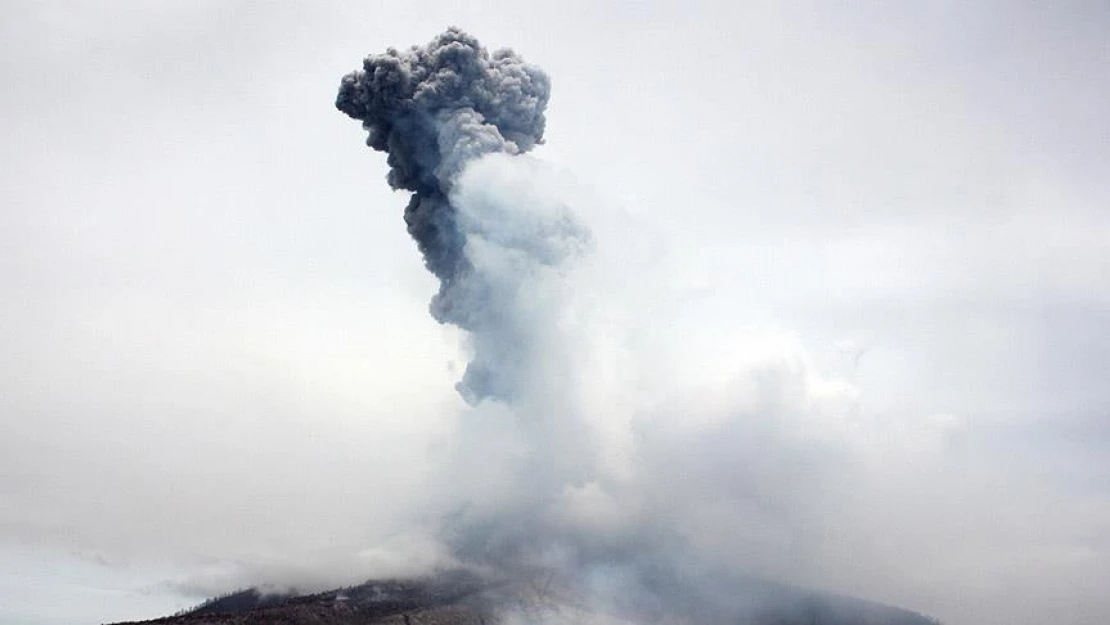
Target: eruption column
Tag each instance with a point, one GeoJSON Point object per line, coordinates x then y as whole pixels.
{"type": "Point", "coordinates": [434, 109]}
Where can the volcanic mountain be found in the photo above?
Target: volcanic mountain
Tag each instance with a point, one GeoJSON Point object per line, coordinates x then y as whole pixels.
{"type": "Point", "coordinates": [568, 511]}
{"type": "Point", "coordinates": [462, 598]}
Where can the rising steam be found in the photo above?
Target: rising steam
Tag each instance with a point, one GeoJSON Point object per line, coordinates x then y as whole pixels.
{"type": "Point", "coordinates": [641, 500]}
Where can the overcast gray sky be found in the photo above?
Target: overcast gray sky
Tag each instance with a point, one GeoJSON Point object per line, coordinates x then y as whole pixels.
{"type": "Point", "coordinates": [217, 360]}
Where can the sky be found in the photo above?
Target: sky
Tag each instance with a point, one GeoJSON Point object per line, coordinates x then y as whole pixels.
{"type": "Point", "coordinates": [216, 361]}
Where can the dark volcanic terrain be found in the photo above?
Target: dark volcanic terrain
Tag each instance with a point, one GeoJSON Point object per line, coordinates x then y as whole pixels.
{"type": "Point", "coordinates": [462, 599]}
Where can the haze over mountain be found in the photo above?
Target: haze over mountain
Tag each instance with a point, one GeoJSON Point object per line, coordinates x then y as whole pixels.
{"type": "Point", "coordinates": [854, 255]}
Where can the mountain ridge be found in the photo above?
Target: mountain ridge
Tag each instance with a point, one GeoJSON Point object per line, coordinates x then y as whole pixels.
{"type": "Point", "coordinates": [465, 598]}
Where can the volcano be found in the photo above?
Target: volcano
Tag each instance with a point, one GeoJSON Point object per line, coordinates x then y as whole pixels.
{"type": "Point", "coordinates": [565, 510]}
{"type": "Point", "coordinates": [537, 598]}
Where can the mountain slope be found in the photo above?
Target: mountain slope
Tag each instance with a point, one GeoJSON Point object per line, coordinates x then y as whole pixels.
{"type": "Point", "coordinates": [459, 598]}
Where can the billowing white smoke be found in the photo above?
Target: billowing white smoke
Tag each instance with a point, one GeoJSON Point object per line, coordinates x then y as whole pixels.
{"type": "Point", "coordinates": [590, 446]}
{"type": "Point", "coordinates": [616, 458]}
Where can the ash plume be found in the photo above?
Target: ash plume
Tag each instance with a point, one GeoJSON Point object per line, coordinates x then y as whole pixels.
{"type": "Point", "coordinates": [434, 109]}
{"type": "Point", "coordinates": [576, 454]}
{"type": "Point", "coordinates": [455, 122]}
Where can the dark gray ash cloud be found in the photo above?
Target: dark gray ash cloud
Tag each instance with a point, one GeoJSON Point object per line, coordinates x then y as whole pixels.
{"type": "Point", "coordinates": [433, 109]}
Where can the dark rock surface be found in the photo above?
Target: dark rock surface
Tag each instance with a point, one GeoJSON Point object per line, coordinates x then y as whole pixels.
{"type": "Point", "coordinates": [459, 598]}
